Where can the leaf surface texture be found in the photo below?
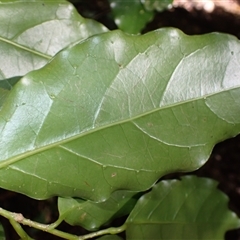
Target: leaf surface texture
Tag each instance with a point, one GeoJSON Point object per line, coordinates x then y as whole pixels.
{"type": "Point", "coordinates": [31, 32]}
{"type": "Point", "coordinates": [192, 208]}
{"type": "Point", "coordinates": [91, 215]}
{"type": "Point", "coordinates": [118, 112]}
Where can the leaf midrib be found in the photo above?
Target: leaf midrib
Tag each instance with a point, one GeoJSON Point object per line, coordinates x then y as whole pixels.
{"type": "Point", "coordinates": [47, 57]}
{"type": "Point", "coordinates": [5, 163]}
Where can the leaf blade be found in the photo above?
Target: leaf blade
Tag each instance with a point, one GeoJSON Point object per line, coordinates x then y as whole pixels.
{"type": "Point", "coordinates": [130, 16]}
{"type": "Point", "coordinates": [32, 32]}
{"type": "Point", "coordinates": [110, 237]}
{"type": "Point", "coordinates": [159, 6]}
{"type": "Point", "coordinates": [91, 215]}
{"type": "Point", "coordinates": [193, 207]}
{"type": "Point", "coordinates": [159, 129]}
{"type": "Point", "coordinates": [5, 86]}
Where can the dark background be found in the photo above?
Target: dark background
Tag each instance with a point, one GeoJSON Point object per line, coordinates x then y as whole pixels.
{"type": "Point", "coordinates": [224, 163]}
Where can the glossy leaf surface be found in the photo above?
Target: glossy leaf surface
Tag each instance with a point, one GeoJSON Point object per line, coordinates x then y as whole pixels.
{"type": "Point", "coordinates": [31, 32]}
{"type": "Point", "coordinates": [118, 112]}
{"type": "Point", "coordinates": [192, 208]}
{"type": "Point", "coordinates": [3, 95]}
{"type": "Point", "coordinates": [92, 215]}
{"type": "Point", "coordinates": [130, 16]}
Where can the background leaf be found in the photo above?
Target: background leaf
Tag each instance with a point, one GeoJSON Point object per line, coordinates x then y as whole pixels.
{"type": "Point", "coordinates": [130, 16]}
{"type": "Point", "coordinates": [5, 86]}
{"type": "Point", "coordinates": [9, 83]}
{"type": "Point", "coordinates": [2, 233]}
{"type": "Point", "coordinates": [118, 112]}
{"type": "Point", "coordinates": [192, 208]}
{"type": "Point", "coordinates": [91, 215]}
{"type": "Point", "coordinates": [159, 5]}
{"type": "Point", "coordinates": [31, 32]}
{"type": "Point", "coordinates": [110, 237]}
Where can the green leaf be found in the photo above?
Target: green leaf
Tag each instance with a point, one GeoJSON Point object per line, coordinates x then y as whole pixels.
{"type": "Point", "coordinates": [9, 83]}
{"type": "Point", "coordinates": [130, 16]}
{"type": "Point", "coordinates": [192, 208]}
{"type": "Point", "coordinates": [31, 32]}
{"type": "Point", "coordinates": [2, 233]}
{"type": "Point", "coordinates": [3, 96]}
{"type": "Point", "coordinates": [91, 215]}
{"type": "Point", "coordinates": [110, 237]}
{"type": "Point", "coordinates": [118, 112]}
{"type": "Point", "coordinates": [159, 5]}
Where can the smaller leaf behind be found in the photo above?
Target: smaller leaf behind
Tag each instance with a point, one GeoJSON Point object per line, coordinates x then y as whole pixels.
{"type": "Point", "coordinates": [2, 233]}
{"type": "Point", "coordinates": [91, 215]}
{"type": "Point", "coordinates": [5, 87]}
{"type": "Point", "coordinates": [110, 237]}
{"type": "Point", "coordinates": [34, 31]}
{"type": "Point", "coordinates": [189, 209]}
{"type": "Point", "coordinates": [9, 83]}
{"type": "Point", "coordinates": [158, 5]}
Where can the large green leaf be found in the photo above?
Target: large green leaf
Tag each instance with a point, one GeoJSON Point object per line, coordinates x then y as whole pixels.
{"type": "Point", "coordinates": [118, 112]}
{"type": "Point", "coordinates": [189, 209]}
{"type": "Point", "coordinates": [130, 16]}
{"type": "Point", "coordinates": [31, 32]}
{"type": "Point", "coordinates": [91, 215]}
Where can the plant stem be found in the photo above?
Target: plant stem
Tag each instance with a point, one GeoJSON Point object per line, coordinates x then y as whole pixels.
{"type": "Point", "coordinates": [17, 218]}
{"type": "Point", "coordinates": [110, 230]}
{"type": "Point", "coordinates": [19, 230]}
